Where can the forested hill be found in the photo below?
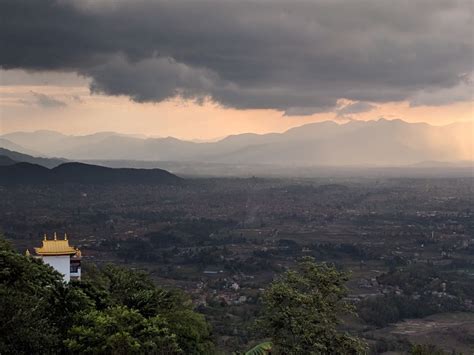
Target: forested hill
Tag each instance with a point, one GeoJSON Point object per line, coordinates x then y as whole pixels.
{"type": "Point", "coordinates": [4, 160]}
{"type": "Point", "coordinates": [20, 157]}
{"type": "Point", "coordinates": [27, 173]}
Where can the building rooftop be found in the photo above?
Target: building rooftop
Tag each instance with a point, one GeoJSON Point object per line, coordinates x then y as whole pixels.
{"type": "Point", "coordinates": [56, 247]}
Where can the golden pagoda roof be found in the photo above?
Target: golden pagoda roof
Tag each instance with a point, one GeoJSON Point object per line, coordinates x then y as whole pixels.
{"type": "Point", "coordinates": [55, 247]}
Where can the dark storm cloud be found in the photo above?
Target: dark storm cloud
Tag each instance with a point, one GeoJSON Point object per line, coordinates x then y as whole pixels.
{"type": "Point", "coordinates": [296, 56]}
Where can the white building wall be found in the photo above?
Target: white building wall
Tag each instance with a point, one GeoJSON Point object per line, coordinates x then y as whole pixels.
{"type": "Point", "coordinates": [61, 263]}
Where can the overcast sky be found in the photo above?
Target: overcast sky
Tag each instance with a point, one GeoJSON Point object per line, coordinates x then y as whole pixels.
{"type": "Point", "coordinates": [205, 69]}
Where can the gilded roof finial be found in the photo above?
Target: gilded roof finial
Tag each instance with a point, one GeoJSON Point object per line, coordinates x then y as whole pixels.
{"type": "Point", "coordinates": [65, 236]}
{"type": "Point", "coordinates": [27, 252]}
{"type": "Point", "coordinates": [45, 237]}
{"type": "Point", "coordinates": [55, 236]}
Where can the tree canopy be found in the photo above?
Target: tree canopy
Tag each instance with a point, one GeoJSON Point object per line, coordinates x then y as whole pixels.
{"type": "Point", "coordinates": [302, 308]}
{"type": "Point", "coordinates": [113, 311]}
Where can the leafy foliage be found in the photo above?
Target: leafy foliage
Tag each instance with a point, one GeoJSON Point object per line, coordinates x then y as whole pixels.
{"type": "Point", "coordinates": [26, 290]}
{"type": "Point", "coordinates": [120, 330]}
{"type": "Point", "coordinates": [119, 311]}
{"type": "Point", "coordinates": [113, 311]}
{"type": "Point", "coordinates": [301, 311]}
{"type": "Point", "coordinates": [260, 349]}
{"type": "Point", "coordinates": [426, 349]}
{"type": "Point", "coordinates": [135, 290]}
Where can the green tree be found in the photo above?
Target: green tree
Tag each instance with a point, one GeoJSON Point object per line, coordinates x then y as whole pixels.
{"type": "Point", "coordinates": [112, 311]}
{"type": "Point", "coordinates": [301, 311]}
{"type": "Point", "coordinates": [192, 331]}
{"type": "Point", "coordinates": [27, 287]}
{"type": "Point", "coordinates": [136, 290]}
{"type": "Point", "coordinates": [65, 304]}
{"type": "Point", "coordinates": [260, 349]}
{"type": "Point", "coordinates": [120, 330]}
{"type": "Point", "coordinates": [426, 349]}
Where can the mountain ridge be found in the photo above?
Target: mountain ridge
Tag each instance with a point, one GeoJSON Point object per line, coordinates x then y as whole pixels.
{"type": "Point", "coordinates": [26, 158]}
{"type": "Point", "coordinates": [381, 142]}
{"type": "Point", "coordinates": [80, 173]}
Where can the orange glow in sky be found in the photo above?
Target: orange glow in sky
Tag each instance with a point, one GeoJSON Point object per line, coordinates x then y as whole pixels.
{"type": "Point", "coordinates": [83, 113]}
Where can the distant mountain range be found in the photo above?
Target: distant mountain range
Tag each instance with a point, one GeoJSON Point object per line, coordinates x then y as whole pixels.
{"type": "Point", "coordinates": [78, 173]}
{"type": "Point", "coordinates": [6, 144]}
{"type": "Point", "coordinates": [357, 143]}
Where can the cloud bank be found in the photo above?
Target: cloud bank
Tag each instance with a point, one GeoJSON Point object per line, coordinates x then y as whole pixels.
{"type": "Point", "coordinates": [293, 56]}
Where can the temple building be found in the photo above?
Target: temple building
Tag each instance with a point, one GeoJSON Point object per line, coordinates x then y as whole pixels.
{"type": "Point", "coordinates": [61, 256]}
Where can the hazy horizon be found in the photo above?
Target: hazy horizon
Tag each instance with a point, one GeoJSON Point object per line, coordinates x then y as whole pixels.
{"type": "Point", "coordinates": [216, 139]}
{"type": "Point", "coordinates": [357, 143]}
